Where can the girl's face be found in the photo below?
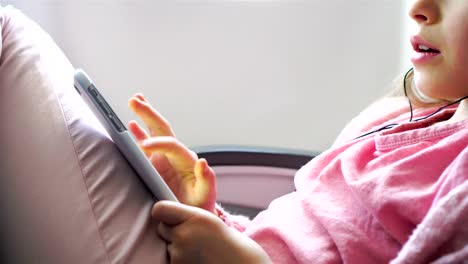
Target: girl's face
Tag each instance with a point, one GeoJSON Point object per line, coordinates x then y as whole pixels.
{"type": "Point", "coordinates": [440, 45]}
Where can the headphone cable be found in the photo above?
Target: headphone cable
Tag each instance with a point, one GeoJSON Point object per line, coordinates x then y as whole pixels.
{"type": "Point", "coordinates": [411, 109]}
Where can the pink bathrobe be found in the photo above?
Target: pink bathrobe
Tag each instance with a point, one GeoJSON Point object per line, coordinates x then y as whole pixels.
{"type": "Point", "coordinates": [360, 201]}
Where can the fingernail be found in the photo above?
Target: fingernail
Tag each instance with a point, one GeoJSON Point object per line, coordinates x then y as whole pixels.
{"type": "Point", "coordinates": [145, 143]}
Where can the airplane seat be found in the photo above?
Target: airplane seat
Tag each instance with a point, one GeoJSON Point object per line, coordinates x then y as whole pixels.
{"type": "Point", "coordinates": [249, 178]}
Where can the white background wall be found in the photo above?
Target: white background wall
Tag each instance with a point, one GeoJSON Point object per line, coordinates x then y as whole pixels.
{"type": "Point", "coordinates": [286, 74]}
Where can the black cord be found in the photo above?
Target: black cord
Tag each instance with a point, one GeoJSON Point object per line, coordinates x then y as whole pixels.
{"type": "Point", "coordinates": [440, 109]}
{"type": "Point", "coordinates": [406, 93]}
{"type": "Point", "coordinates": [377, 130]}
{"type": "Point", "coordinates": [411, 106]}
{"type": "Point", "coordinates": [411, 109]}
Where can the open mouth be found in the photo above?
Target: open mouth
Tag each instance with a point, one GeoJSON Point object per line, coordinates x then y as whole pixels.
{"type": "Point", "coordinates": [422, 46]}
{"type": "Point", "coordinates": [425, 49]}
{"type": "Point", "coordinates": [425, 52]}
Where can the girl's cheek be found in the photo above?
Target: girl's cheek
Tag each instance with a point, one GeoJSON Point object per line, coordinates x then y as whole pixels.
{"type": "Point", "coordinates": [458, 27]}
{"type": "Point", "coordinates": [457, 38]}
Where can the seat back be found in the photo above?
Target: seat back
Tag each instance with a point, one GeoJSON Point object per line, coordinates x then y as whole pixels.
{"type": "Point", "coordinates": [249, 178]}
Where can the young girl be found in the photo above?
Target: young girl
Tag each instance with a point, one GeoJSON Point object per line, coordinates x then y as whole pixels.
{"type": "Point", "coordinates": [359, 201]}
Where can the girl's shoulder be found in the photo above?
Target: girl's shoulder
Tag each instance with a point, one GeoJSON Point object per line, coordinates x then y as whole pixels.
{"type": "Point", "coordinates": [376, 114]}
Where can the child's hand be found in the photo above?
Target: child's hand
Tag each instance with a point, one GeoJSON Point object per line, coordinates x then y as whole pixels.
{"type": "Point", "coordinates": [190, 178]}
{"type": "Point", "coordinates": [196, 236]}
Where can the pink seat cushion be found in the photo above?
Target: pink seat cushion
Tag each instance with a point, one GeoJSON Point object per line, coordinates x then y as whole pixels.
{"type": "Point", "coordinates": [66, 194]}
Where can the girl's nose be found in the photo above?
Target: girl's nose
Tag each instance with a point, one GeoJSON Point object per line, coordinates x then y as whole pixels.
{"type": "Point", "coordinates": [425, 11]}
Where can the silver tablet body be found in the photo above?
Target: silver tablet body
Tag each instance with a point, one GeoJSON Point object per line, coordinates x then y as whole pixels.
{"type": "Point", "coordinates": [122, 138]}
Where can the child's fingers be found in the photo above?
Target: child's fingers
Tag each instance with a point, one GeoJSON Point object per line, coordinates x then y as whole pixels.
{"type": "Point", "coordinates": [156, 123]}
{"type": "Point", "coordinates": [179, 155]}
{"type": "Point", "coordinates": [165, 232]}
{"type": "Point", "coordinates": [204, 193]}
{"type": "Point", "coordinates": [137, 131]}
{"type": "Point", "coordinates": [173, 213]}
{"type": "Point", "coordinates": [207, 173]}
{"type": "Point", "coordinates": [141, 97]}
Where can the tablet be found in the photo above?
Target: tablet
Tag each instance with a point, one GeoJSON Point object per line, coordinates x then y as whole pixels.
{"type": "Point", "coordinates": [121, 137]}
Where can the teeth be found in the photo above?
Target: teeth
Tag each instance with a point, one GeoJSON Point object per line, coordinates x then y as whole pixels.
{"type": "Point", "coordinates": [422, 47]}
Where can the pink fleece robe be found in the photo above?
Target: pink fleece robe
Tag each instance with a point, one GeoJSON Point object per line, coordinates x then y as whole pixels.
{"type": "Point", "coordinates": [360, 201]}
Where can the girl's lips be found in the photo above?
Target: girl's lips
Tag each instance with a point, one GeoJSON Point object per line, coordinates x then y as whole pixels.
{"type": "Point", "coordinates": [417, 42]}
{"type": "Point", "coordinates": [423, 50]}
{"type": "Point", "coordinates": [423, 57]}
